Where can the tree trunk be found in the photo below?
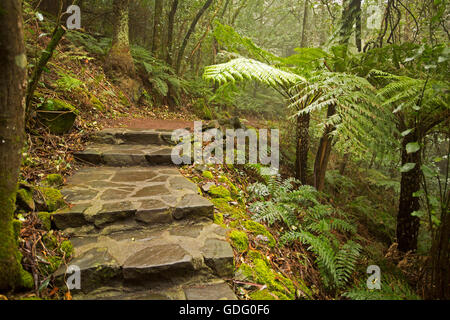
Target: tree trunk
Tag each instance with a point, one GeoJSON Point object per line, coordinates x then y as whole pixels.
{"type": "Point", "coordinates": [358, 33]}
{"type": "Point", "coordinates": [301, 164]}
{"type": "Point", "coordinates": [305, 23]}
{"type": "Point", "coordinates": [119, 58]}
{"type": "Point", "coordinates": [323, 153]}
{"type": "Point", "coordinates": [157, 29]}
{"type": "Point", "coordinates": [440, 253]}
{"type": "Point", "coordinates": [344, 163]}
{"type": "Point", "coordinates": [190, 32]}
{"type": "Point", "coordinates": [13, 64]}
{"type": "Point", "coordinates": [171, 23]}
{"type": "Point", "coordinates": [408, 225]}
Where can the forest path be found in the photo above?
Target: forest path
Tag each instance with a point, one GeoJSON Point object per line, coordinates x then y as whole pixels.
{"type": "Point", "coordinates": [139, 228]}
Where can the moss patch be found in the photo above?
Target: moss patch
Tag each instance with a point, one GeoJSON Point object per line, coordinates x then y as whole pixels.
{"type": "Point", "coordinates": [24, 200]}
{"type": "Point", "coordinates": [268, 295]}
{"type": "Point", "coordinates": [224, 206]}
{"type": "Point", "coordinates": [67, 248]}
{"type": "Point", "coordinates": [258, 229]}
{"type": "Point", "coordinates": [207, 174]}
{"type": "Point", "coordinates": [45, 218]}
{"type": "Point", "coordinates": [219, 192]}
{"type": "Point", "coordinates": [54, 180]}
{"type": "Point", "coordinates": [239, 240]}
{"type": "Point", "coordinates": [53, 198]}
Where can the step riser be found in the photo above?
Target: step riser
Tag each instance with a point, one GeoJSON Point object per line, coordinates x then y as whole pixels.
{"type": "Point", "coordinates": [141, 218]}
{"type": "Point", "coordinates": [135, 138]}
{"type": "Point", "coordinates": [124, 160]}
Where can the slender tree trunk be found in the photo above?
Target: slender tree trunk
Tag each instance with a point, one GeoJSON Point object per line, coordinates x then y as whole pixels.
{"type": "Point", "coordinates": [358, 33]}
{"type": "Point", "coordinates": [157, 29]}
{"type": "Point", "coordinates": [323, 153]}
{"type": "Point", "coordinates": [344, 163]}
{"type": "Point", "coordinates": [119, 58]}
{"type": "Point", "coordinates": [13, 64]}
{"type": "Point", "coordinates": [305, 23]}
{"type": "Point", "coordinates": [408, 225]}
{"type": "Point", "coordinates": [170, 27]}
{"type": "Point", "coordinates": [440, 253]}
{"type": "Point", "coordinates": [349, 15]}
{"type": "Point", "coordinates": [303, 142]}
{"type": "Point", "coordinates": [190, 32]}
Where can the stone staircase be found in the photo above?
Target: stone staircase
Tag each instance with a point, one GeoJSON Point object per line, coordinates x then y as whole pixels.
{"type": "Point", "coordinates": [139, 228]}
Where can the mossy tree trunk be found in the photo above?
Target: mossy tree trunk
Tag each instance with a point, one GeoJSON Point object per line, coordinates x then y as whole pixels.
{"type": "Point", "coordinates": [157, 29]}
{"type": "Point", "coordinates": [13, 64]}
{"type": "Point", "coordinates": [408, 225]}
{"type": "Point", "coordinates": [303, 142]}
{"type": "Point", "coordinates": [119, 58]}
{"type": "Point", "coordinates": [171, 24]}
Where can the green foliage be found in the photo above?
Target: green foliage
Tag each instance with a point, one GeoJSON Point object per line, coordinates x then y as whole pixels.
{"type": "Point", "coordinates": [392, 288]}
{"type": "Point", "coordinates": [311, 223]}
{"type": "Point", "coordinates": [239, 240]}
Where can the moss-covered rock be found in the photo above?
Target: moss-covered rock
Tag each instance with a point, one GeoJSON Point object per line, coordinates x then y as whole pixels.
{"type": "Point", "coordinates": [224, 207]}
{"type": "Point", "coordinates": [239, 240]}
{"type": "Point", "coordinates": [58, 115]}
{"type": "Point", "coordinates": [207, 174]}
{"type": "Point", "coordinates": [258, 229]}
{"type": "Point", "coordinates": [24, 200]}
{"type": "Point", "coordinates": [53, 198]}
{"type": "Point", "coordinates": [54, 180]}
{"type": "Point", "coordinates": [45, 218]}
{"type": "Point", "coordinates": [26, 280]}
{"type": "Point", "coordinates": [219, 192]}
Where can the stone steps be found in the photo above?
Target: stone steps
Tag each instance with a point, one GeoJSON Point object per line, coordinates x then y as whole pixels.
{"type": "Point", "coordinates": [133, 137]}
{"type": "Point", "coordinates": [126, 155]}
{"type": "Point", "coordinates": [140, 229]}
{"type": "Point", "coordinates": [134, 196]}
{"type": "Point", "coordinates": [169, 255]}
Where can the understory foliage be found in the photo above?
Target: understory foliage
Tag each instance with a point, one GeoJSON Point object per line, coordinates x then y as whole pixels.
{"type": "Point", "coordinates": [326, 231]}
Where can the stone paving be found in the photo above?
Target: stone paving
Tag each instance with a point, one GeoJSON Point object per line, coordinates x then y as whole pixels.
{"type": "Point", "coordinates": [139, 231]}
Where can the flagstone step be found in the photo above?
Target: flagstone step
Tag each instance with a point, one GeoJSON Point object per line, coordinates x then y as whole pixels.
{"type": "Point", "coordinates": [167, 255]}
{"type": "Point", "coordinates": [126, 155]}
{"type": "Point", "coordinates": [214, 290]}
{"type": "Point", "coordinates": [133, 137]}
{"type": "Point", "coordinates": [132, 198]}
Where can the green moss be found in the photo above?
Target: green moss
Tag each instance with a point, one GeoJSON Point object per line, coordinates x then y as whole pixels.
{"type": "Point", "coordinates": [224, 206]}
{"type": "Point", "coordinates": [239, 240]}
{"type": "Point", "coordinates": [267, 295]}
{"type": "Point", "coordinates": [274, 281]}
{"type": "Point", "coordinates": [54, 180]}
{"type": "Point", "coordinates": [17, 225]}
{"type": "Point", "coordinates": [259, 229]}
{"type": "Point", "coordinates": [218, 218]}
{"type": "Point", "coordinates": [67, 248]}
{"type": "Point", "coordinates": [233, 188]}
{"type": "Point", "coordinates": [245, 272]}
{"type": "Point", "coordinates": [253, 255]}
{"type": "Point", "coordinates": [208, 174]}
{"type": "Point", "coordinates": [219, 192]}
{"type": "Point", "coordinates": [26, 280]}
{"type": "Point", "coordinates": [24, 199]}
{"type": "Point", "coordinates": [53, 198]}
{"type": "Point", "coordinates": [57, 115]}
{"type": "Point", "coordinates": [45, 218]}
